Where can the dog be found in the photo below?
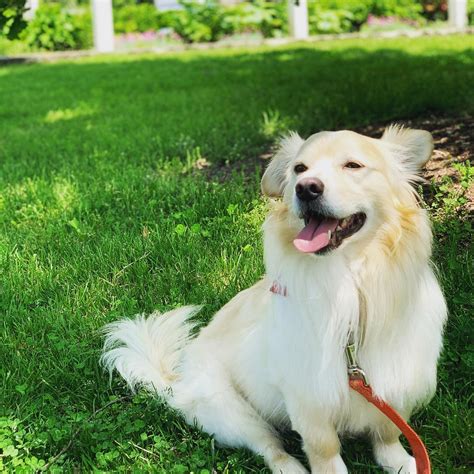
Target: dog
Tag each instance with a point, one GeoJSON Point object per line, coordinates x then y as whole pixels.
{"type": "Point", "coordinates": [347, 249]}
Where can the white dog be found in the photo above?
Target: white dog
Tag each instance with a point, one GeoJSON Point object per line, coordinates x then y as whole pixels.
{"type": "Point", "coordinates": [347, 249]}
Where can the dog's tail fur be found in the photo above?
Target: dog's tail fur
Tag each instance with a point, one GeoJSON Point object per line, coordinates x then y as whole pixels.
{"type": "Point", "coordinates": [147, 351]}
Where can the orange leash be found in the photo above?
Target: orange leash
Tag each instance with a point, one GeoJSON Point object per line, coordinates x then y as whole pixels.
{"type": "Point", "coordinates": [417, 447]}
{"type": "Point", "coordinates": [358, 382]}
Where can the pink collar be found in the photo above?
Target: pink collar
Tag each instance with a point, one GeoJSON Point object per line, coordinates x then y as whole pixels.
{"type": "Point", "coordinates": [278, 289]}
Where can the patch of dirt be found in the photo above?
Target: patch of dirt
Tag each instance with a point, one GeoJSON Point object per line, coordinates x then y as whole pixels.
{"type": "Point", "coordinates": [453, 143]}
{"type": "Point", "coordinates": [453, 139]}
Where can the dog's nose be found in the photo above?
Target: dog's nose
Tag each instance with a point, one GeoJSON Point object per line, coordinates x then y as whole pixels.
{"type": "Point", "coordinates": [309, 189]}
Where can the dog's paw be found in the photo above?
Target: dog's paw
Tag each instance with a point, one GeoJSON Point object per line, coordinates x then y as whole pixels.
{"type": "Point", "coordinates": [287, 465]}
{"type": "Point", "coordinates": [409, 467]}
{"type": "Point", "coordinates": [394, 459]}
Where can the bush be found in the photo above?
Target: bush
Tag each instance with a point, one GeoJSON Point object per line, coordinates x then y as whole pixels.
{"type": "Point", "coordinates": [403, 9]}
{"type": "Point", "coordinates": [136, 18]}
{"type": "Point", "coordinates": [11, 18]}
{"type": "Point", "coordinates": [330, 21]}
{"type": "Point", "coordinates": [355, 10]}
{"type": "Point", "coordinates": [340, 16]}
{"type": "Point", "coordinates": [83, 23]}
{"type": "Point", "coordinates": [53, 29]}
{"type": "Point", "coordinates": [211, 21]}
{"type": "Point", "coordinates": [434, 10]}
{"type": "Point", "coordinates": [470, 12]}
{"type": "Point", "coordinates": [272, 17]}
{"type": "Point", "coordinates": [200, 22]}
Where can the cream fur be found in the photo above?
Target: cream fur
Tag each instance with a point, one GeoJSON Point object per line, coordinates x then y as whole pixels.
{"type": "Point", "coordinates": [267, 360]}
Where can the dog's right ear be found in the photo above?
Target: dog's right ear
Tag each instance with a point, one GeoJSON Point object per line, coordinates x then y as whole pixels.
{"type": "Point", "coordinates": [274, 178]}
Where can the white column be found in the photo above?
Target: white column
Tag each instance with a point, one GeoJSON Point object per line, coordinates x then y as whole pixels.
{"type": "Point", "coordinates": [298, 18]}
{"type": "Point", "coordinates": [103, 25]}
{"type": "Point", "coordinates": [32, 6]}
{"type": "Point", "coordinates": [457, 13]}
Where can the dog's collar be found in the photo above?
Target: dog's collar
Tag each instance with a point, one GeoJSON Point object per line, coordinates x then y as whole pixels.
{"type": "Point", "coordinates": [278, 289]}
{"type": "Point", "coordinates": [359, 383]}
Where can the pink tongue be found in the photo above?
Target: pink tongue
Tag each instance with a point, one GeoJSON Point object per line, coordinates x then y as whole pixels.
{"type": "Point", "coordinates": [315, 235]}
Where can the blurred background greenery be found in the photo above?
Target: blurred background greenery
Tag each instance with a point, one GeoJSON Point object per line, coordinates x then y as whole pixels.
{"type": "Point", "coordinates": [66, 24]}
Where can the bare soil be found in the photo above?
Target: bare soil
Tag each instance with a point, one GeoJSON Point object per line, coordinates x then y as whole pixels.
{"type": "Point", "coordinates": [453, 139]}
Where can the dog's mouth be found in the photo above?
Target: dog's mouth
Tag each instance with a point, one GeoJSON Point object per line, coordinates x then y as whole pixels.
{"type": "Point", "coordinates": [324, 233]}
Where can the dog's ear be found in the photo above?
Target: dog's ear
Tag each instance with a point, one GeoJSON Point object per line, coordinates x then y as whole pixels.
{"type": "Point", "coordinates": [274, 178]}
{"type": "Point", "coordinates": [417, 145]}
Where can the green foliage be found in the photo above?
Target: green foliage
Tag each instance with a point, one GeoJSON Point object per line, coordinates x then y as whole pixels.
{"type": "Point", "coordinates": [343, 16]}
{"type": "Point", "coordinates": [434, 10]}
{"type": "Point", "coordinates": [11, 18]}
{"type": "Point", "coordinates": [136, 18]}
{"type": "Point", "coordinates": [53, 29]}
{"type": "Point", "coordinates": [269, 18]}
{"type": "Point", "coordinates": [201, 22]}
{"type": "Point", "coordinates": [210, 21]}
{"type": "Point", "coordinates": [330, 21]}
{"type": "Point", "coordinates": [405, 9]}
{"type": "Point", "coordinates": [83, 24]}
{"type": "Point", "coordinates": [104, 213]}
{"type": "Point", "coordinates": [355, 10]}
{"type": "Point", "coordinates": [470, 12]}
{"type": "Point", "coordinates": [450, 198]}
{"type": "Point", "coordinates": [12, 47]}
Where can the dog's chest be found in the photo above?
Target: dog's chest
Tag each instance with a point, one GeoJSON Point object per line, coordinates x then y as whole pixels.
{"type": "Point", "coordinates": [306, 332]}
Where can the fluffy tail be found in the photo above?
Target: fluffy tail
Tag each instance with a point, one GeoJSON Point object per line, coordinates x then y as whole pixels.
{"type": "Point", "coordinates": [147, 351]}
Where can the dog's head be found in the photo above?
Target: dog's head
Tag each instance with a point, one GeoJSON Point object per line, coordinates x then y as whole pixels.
{"type": "Point", "coordinates": [341, 187]}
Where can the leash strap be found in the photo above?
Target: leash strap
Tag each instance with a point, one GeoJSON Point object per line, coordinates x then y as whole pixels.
{"type": "Point", "coordinates": [417, 447]}
{"type": "Point", "coordinates": [358, 382]}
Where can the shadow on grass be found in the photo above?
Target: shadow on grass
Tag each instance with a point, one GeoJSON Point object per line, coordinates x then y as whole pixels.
{"type": "Point", "coordinates": [68, 115]}
{"type": "Point", "coordinates": [86, 151]}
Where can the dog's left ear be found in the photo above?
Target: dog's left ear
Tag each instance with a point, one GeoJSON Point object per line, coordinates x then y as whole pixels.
{"type": "Point", "coordinates": [274, 178]}
{"type": "Point", "coordinates": [417, 145]}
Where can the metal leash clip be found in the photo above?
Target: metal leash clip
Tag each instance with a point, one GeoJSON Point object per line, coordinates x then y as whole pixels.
{"type": "Point", "coordinates": [353, 368]}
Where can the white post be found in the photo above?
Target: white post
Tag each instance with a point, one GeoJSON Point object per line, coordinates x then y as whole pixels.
{"type": "Point", "coordinates": [457, 13]}
{"type": "Point", "coordinates": [32, 6]}
{"type": "Point", "coordinates": [298, 18]}
{"type": "Point", "coordinates": [103, 25]}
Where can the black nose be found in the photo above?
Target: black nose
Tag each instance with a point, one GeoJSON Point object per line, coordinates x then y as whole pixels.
{"type": "Point", "coordinates": [309, 189]}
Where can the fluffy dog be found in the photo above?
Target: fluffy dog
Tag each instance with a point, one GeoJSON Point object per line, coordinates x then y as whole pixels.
{"type": "Point", "coordinates": [348, 246]}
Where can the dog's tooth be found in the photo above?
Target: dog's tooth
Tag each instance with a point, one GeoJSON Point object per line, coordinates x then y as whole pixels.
{"type": "Point", "coordinates": [329, 234]}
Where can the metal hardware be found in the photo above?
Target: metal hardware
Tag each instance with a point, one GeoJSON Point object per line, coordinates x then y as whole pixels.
{"type": "Point", "coordinates": [353, 368]}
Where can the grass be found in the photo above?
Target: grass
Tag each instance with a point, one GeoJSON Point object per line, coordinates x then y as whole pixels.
{"type": "Point", "coordinates": [103, 214]}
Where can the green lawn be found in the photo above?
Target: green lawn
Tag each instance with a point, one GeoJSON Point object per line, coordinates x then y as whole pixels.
{"type": "Point", "coordinates": [103, 214]}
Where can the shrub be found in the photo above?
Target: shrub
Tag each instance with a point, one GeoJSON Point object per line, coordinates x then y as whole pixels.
{"type": "Point", "coordinates": [403, 9]}
{"type": "Point", "coordinates": [53, 29]}
{"type": "Point", "coordinates": [331, 21]}
{"type": "Point", "coordinates": [273, 17]}
{"type": "Point", "coordinates": [200, 22]}
{"type": "Point", "coordinates": [136, 18]}
{"type": "Point", "coordinates": [11, 18]}
{"type": "Point", "coordinates": [355, 10]}
{"type": "Point", "coordinates": [434, 9]}
{"type": "Point", "coordinates": [83, 23]}
{"type": "Point", "coordinates": [210, 21]}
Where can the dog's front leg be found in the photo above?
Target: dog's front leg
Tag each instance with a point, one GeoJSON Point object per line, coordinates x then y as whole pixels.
{"type": "Point", "coordinates": [320, 440]}
{"type": "Point", "coordinates": [389, 452]}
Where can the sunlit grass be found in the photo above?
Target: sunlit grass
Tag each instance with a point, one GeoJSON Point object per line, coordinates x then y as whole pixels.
{"type": "Point", "coordinates": [105, 213]}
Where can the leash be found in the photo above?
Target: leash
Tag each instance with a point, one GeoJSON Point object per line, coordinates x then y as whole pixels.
{"type": "Point", "coordinates": [359, 383]}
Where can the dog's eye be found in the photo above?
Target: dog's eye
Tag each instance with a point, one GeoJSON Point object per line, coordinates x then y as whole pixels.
{"type": "Point", "coordinates": [300, 168]}
{"type": "Point", "coordinates": [353, 165]}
